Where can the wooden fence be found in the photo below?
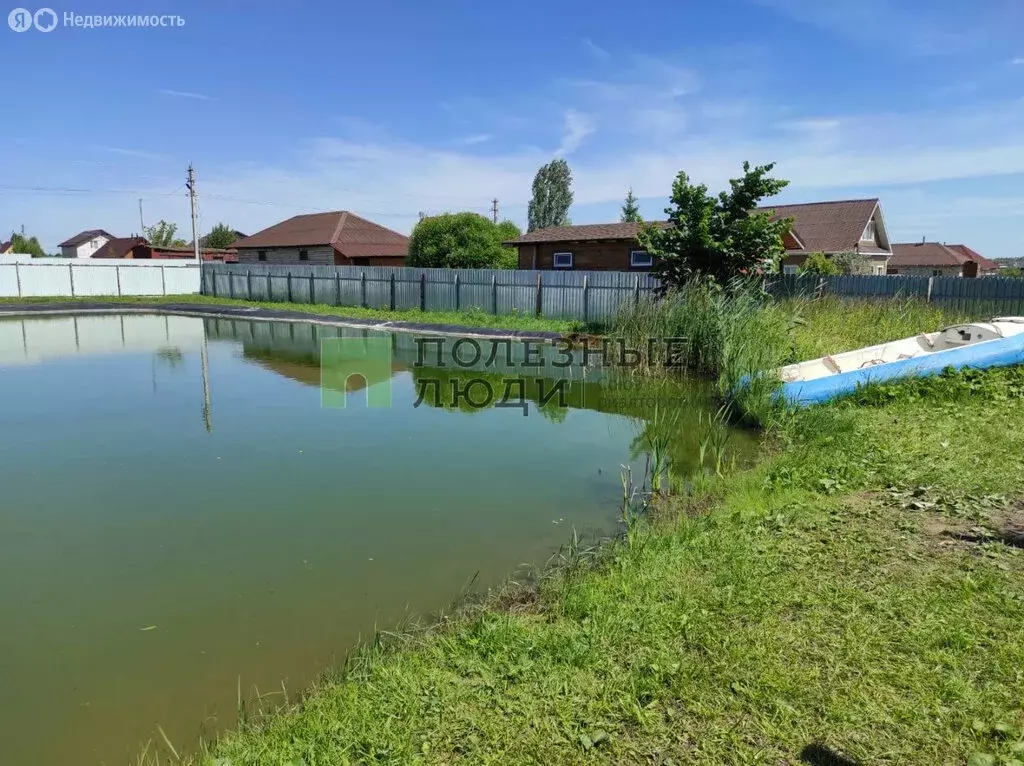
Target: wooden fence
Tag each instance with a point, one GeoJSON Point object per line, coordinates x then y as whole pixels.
{"type": "Point", "coordinates": [583, 295]}
{"type": "Point", "coordinates": [588, 296]}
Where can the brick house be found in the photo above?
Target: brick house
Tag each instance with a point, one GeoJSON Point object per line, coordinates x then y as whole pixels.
{"type": "Point", "coordinates": [338, 238]}
{"type": "Point", "coordinates": [828, 227]}
{"type": "Point", "coordinates": [592, 247]}
{"type": "Point", "coordinates": [937, 259]}
{"type": "Point", "coordinates": [136, 248]}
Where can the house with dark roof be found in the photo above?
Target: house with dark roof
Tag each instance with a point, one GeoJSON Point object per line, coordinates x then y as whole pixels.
{"type": "Point", "coordinates": [119, 247]}
{"type": "Point", "coordinates": [937, 259]}
{"type": "Point", "coordinates": [590, 247]}
{"type": "Point", "coordinates": [338, 238]}
{"type": "Point", "coordinates": [829, 227]}
{"type": "Point", "coordinates": [844, 226]}
{"type": "Point", "coordinates": [85, 243]}
{"type": "Point", "coordinates": [6, 247]}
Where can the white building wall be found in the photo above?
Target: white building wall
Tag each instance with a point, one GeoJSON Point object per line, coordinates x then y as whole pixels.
{"type": "Point", "coordinates": [86, 249]}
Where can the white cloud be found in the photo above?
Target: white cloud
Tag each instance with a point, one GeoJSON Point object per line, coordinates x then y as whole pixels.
{"type": "Point", "coordinates": [577, 127]}
{"type": "Point", "coordinates": [477, 138]}
{"type": "Point", "coordinates": [187, 94]}
{"type": "Point", "coordinates": [811, 125]}
{"type": "Point", "coordinates": [1019, 60]}
{"type": "Point", "coordinates": [137, 153]}
{"type": "Point", "coordinates": [596, 50]}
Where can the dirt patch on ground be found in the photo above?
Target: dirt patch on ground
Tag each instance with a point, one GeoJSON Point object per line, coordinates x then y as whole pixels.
{"type": "Point", "coordinates": [1006, 527]}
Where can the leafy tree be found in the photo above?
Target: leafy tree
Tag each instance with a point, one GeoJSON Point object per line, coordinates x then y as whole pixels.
{"type": "Point", "coordinates": [552, 196]}
{"type": "Point", "coordinates": [718, 237]}
{"type": "Point", "coordinates": [162, 234]}
{"type": "Point", "coordinates": [852, 262]}
{"type": "Point", "coordinates": [462, 241]}
{"type": "Point", "coordinates": [630, 210]}
{"type": "Point", "coordinates": [822, 265]}
{"type": "Point", "coordinates": [220, 236]}
{"type": "Point", "coordinates": [26, 246]}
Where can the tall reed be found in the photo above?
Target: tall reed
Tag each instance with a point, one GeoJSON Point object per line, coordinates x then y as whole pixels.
{"type": "Point", "coordinates": [734, 334]}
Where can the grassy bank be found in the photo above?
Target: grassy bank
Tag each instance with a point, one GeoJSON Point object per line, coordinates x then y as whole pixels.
{"type": "Point", "coordinates": [469, 318]}
{"type": "Point", "coordinates": [856, 595]}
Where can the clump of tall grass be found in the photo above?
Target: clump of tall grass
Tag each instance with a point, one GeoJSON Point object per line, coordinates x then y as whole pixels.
{"type": "Point", "coordinates": [734, 334]}
{"type": "Point", "coordinates": [833, 324]}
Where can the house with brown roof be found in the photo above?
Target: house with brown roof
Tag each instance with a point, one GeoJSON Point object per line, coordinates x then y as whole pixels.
{"type": "Point", "coordinates": [85, 243]}
{"type": "Point", "coordinates": [338, 238]}
{"type": "Point", "coordinates": [843, 226]}
{"type": "Point", "coordinates": [119, 247]}
{"type": "Point", "coordinates": [591, 247]}
{"type": "Point", "coordinates": [937, 259]}
{"type": "Point", "coordinates": [829, 227]}
{"type": "Point", "coordinates": [6, 247]}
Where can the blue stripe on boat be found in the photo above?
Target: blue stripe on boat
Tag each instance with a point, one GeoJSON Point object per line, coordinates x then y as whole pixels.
{"type": "Point", "coordinates": [991, 353]}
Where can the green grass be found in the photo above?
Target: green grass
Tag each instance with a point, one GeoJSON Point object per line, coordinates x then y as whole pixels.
{"type": "Point", "coordinates": [823, 599]}
{"type": "Point", "coordinates": [467, 318]}
{"type": "Point", "coordinates": [831, 324]}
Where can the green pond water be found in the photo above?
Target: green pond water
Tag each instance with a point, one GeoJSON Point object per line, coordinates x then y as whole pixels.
{"type": "Point", "coordinates": [172, 526]}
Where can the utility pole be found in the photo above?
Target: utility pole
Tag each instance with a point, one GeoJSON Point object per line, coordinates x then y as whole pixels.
{"type": "Point", "coordinates": [191, 184]}
{"type": "Point", "coordinates": [142, 223]}
{"type": "Point", "coordinates": [494, 209]}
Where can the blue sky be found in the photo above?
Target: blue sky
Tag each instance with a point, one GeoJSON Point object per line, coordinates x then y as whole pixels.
{"type": "Point", "coordinates": [392, 108]}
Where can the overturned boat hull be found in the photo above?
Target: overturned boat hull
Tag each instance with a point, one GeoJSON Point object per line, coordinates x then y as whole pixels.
{"type": "Point", "coordinates": [997, 343]}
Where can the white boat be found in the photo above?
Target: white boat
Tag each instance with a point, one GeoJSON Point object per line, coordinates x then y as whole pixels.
{"type": "Point", "coordinates": [998, 342]}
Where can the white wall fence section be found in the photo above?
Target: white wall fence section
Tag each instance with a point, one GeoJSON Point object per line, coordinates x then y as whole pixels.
{"type": "Point", "coordinates": [53, 277]}
{"type": "Point", "coordinates": [38, 339]}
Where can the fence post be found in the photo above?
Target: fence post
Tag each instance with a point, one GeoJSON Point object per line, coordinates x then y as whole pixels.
{"type": "Point", "coordinates": [289, 284]}
{"type": "Point", "coordinates": [538, 307]}
{"type": "Point", "coordinates": [931, 284]}
{"type": "Point", "coordinates": [213, 281]}
{"type": "Point", "coordinates": [362, 289]}
{"type": "Point", "coordinates": [71, 276]}
{"type": "Point", "coordinates": [337, 287]}
{"type": "Point", "coordinates": [163, 280]}
{"type": "Point", "coordinates": [248, 284]}
{"type": "Point", "coordinates": [494, 292]}
{"type": "Point", "coordinates": [423, 291]}
{"type": "Point", "coordinates": [456, 291]}
{"type": "Point", "coordinates": [392, 291]}
{"type": "Point", "coordinates": [270, 286]}
{"type": "Point", "coordinates": [312, 286]}
{"type": "Point", "coordinates": [17, 277]}
{"type": "Point", "coordinates": [586, 285]}
{"type": "Point", "coordinates": [117, 273]}
{"type": "Point", "coordinates": [231, 285]}
{"type": "Point", "coordinates": [636, 289]}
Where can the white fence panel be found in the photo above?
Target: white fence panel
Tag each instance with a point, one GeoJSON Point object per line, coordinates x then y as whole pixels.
{"type": "Point", "coordinates": [38, 277]}
{"type": "Point", "coordinates": [9, 281]}
{"type": "Point", "coordinates": [44, 279]}
{"type": "Point", "coordinates": [181, 279]}
{"type": "Point", "coordinates": [96, 280]}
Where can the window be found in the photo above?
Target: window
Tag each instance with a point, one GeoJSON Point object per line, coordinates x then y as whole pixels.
{"type": "Point", "coordinates": [869, 232]}
{"type": "Point", "coordinates": [640, 259]}
{"type": "Point", "coordinates": [562, 260]}
{"type": "Point", "coordinates": [892, 271]}
{"type": "Point", "coordinates": [878, 270]}
{"type": "Point", "coordinates": [303, 255]}
{"type": "Point", "coordinates": [936, 272]}
{"type": "Point", "coordinates": [790, 268]}
{"type": "Point", "coordinates": [262, 255]}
